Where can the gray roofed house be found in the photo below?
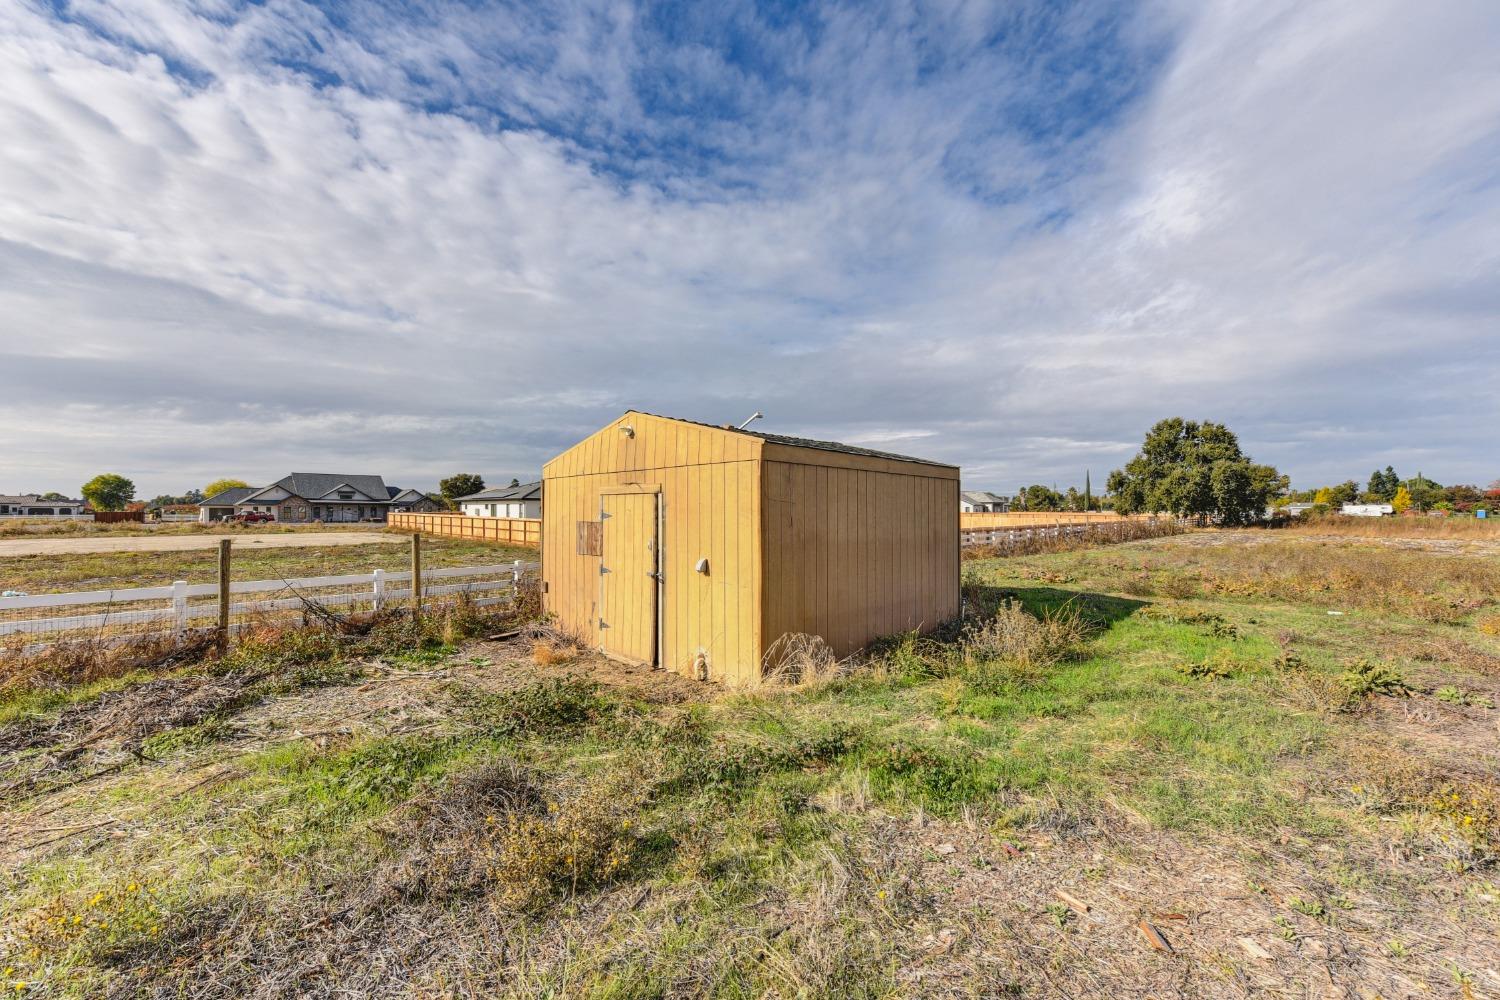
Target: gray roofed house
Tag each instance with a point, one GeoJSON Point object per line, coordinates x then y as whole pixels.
{"type": "Point", "coordinates": [32, 505]}
{"type": "Point", "coordinates": [304, 497]}
{"type": "Point", "coordinates": [524, 500]}
{"type": "Point", "coordinates": [982, 502]}
{"type": "Point", "coordinates": [413, 501]}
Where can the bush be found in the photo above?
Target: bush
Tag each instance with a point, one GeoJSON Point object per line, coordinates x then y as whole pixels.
{"type": "Point", "coordinates": [1026, 642]}
{"type": "Point", "coordinates": [1364, 679]}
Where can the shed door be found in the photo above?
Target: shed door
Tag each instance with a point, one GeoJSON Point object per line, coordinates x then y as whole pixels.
{"type": "Point", "coordinates": [627, 627]}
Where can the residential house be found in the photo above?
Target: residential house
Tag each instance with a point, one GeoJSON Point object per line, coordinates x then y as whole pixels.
{"type": "Point", "coordinates": [982, 502]}
{"type": "Point", "coordinates": [31, 505]}
{"type": "Point", "coordinates": [504, 501]}
{"type": "Point", "coordinates": [413, 502]}
{"type": "Point", "coordinates": [305, 497]}
{"type": "Point", "coordinates": [221, 505]}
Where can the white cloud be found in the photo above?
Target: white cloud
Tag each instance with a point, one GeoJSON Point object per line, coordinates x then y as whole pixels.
{"type": "Point", "coordinates": [448, 258]}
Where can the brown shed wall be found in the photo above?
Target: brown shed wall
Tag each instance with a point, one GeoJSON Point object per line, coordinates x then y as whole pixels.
{"type": "Point", "coordinates": [853, 554]}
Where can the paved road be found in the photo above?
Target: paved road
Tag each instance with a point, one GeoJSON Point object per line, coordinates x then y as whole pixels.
{"type": "Point", "coordinates": [179, 543]}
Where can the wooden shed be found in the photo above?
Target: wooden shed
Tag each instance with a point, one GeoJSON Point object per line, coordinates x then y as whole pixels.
{"type": "Point", "coordinates": [694, 547]}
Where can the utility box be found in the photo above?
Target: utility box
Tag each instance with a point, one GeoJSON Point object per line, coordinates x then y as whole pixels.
{"type": "Point", "coordinates": [695, 548]}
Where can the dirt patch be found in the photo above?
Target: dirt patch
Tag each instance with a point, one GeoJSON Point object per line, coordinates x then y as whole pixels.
{"type": "Point", "coordinates": [1251, 538]}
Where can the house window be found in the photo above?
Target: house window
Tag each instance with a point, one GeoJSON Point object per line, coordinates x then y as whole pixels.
{"type": "Point", "coordinates": [345, 496]}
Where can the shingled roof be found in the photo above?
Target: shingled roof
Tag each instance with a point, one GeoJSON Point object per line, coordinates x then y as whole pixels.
{"type": "Point", "coordinates": [526, 491]}
{"type": "Point", "coordinates": [229, 497]}
{"type": "Point", "coordinates": [317, 485]}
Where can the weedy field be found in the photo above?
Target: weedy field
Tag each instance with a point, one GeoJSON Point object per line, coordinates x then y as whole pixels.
{"type": "Point", "coordinates": [1216, 765]}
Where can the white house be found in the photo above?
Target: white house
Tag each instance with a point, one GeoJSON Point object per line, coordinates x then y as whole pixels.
{"type": "Point", "coordinates": [1366, 509]}
{"type": "Point", "coordinates": [31, 505]}
{"type": "Point", "coordinates": [504, 501]}
{"type": "Point", "coordinates": [982, 502]}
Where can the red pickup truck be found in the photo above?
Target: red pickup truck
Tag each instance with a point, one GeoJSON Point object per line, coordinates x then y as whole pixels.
{"type": "Point", "coordinates": [251, 517]}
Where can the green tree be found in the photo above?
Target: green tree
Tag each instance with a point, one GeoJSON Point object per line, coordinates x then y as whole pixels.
{"type": "Point", "coordinates": [218, 486]}
{"type": "Point", "coordinates": [1345, 492]}
{"type": "Point", "coordinates": [109, 491]}
{"type": "Point", "coordinates": [1039, 497]}
{"type": "Point", "coordinates": [54, 495]}
{"type": "Point", "coordinates": [515, 482]}
{"type": "Point", "coordinates": [1425, 494]}
{"type": "Point", "coordinates": [1383, 485]}
{"type": "Point", "coordinates": [1195, 469]}
{"type": "Point", "coordinates": [460, 484]}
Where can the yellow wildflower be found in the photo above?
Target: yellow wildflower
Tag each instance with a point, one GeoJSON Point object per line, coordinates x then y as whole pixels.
{"type": "Point", "coordinates": [880, 894]}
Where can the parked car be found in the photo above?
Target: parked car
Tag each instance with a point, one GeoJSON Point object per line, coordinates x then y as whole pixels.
{"type": "Point", "coordinates": [251, 517]}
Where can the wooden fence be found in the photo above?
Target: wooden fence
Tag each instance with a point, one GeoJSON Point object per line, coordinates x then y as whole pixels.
{"type": "Point", "coordinates": [1037, 535]}
{"type": "Point", "coordinates": [1047, 518]}
{"type": "Point", "coordinates": [509, 530]}
{"type": "Point", "coordinates": [119, 516]}
{"type": "Point", "coordinates": [131, 612]}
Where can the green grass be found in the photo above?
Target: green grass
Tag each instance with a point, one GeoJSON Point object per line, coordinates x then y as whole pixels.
{"type": "Point", "coordinates": [763, 828]}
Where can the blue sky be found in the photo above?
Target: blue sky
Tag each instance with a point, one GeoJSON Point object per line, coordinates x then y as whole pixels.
{"type": "Point", "coordinates": [414, 238]}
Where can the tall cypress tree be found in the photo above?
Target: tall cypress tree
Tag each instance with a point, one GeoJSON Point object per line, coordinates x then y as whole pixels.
{"type": "Point", "coordinates": [1088, 494]}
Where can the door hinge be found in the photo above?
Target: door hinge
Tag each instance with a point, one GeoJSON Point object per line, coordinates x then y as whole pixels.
{"type": "Point", "coordinates": [603, 569]}
{"type": "Point", "coordinates": [604, 517]}
{"type": "Point", "coordinates": [603, 623]}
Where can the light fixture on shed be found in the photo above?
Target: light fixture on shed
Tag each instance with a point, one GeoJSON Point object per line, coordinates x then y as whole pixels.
{"type": "Point", "coordinates": [628, 430]}
{"type": "Point", "coordinates": [702, 566]}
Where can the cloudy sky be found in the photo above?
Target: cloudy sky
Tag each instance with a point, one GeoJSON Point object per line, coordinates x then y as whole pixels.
{"type": "Point", "coordinates": [411, 238]}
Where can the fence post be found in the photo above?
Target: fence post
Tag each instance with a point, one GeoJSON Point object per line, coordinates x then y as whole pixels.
{"type": "Point", "coordinates": [179, 608]}
{"type": "Point", "coordinates": [223, 636]}
{"type": "Point", "coordinates": [379, 597]}
{"type": "Point", "coordinates": [515, 578]}
{"type": "Point", "coordinates": [416, 575]}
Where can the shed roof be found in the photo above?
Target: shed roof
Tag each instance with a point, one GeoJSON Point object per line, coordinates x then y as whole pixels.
{"type": "Point", "coordinates": [801, 442]}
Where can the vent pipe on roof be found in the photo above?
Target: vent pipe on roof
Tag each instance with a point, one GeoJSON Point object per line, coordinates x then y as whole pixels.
{"type": "Point", "coordinates": [753, 417]}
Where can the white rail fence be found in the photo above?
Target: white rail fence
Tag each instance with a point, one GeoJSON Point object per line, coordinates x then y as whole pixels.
{"type": "Point", "coordinates": [1020, 537]}
{"type": "Point", "coordinates": [141, 610]}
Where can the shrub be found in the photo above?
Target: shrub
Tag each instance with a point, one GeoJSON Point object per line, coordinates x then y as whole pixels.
{"type": "Point", "coordinates": [1363, 679]}
{"type": "Point", "coordinates": [554, 703]}
{"type": "Point", "coordinates": [1026, 642]}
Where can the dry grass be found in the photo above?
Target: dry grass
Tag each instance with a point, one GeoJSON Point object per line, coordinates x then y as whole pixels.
{"type": "Point", "coordinates": [552, 651]}
{"type": "Point", "coordinates": [1432, 586]}
{"type": "Point", "coordinates": [93, 659]}
{"type": "Point", "coordinates": [1457, 527]}
{"type": "Point", "coordinates": [800, 660]}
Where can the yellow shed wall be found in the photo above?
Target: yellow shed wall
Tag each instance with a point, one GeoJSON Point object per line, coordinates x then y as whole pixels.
{"type": "Point", "coordinates": [852, 554]}
{"type": "Point", "coordinates": [709, 484]}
